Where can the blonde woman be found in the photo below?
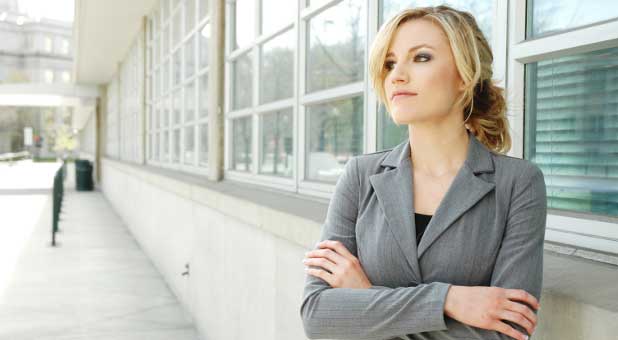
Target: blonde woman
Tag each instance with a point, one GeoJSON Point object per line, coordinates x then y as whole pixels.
{"type": "Point", "coordinates": [442, 236]}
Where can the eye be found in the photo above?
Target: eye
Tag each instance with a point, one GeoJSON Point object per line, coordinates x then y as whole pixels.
{"type": "Point", "coordinates": [422, 55]}
{"type": "Point", "coordinates": [388, 65]}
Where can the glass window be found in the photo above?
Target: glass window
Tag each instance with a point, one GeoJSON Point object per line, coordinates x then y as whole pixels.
{"type": "Point", "coordinates": [203, 95]}
{"type": "Point", "coordinates": [48, 76]}
{"type": "Point", "coordinates": [203, 157]}
{"type": "Point", "coordinates": [277, 68]}
{"type": "Point", "coordinates": [190, 102]}
{"type": "Point", "coordinates": [571, 129]}
{"type": "Point", "coordinates": [276, 143]}
{"type": "Point", "coordinates": [285, 12]}
{"type": "Point", "coordinates": [203, 9]}
{"type": "Point", "coordinates": [165, 81]}
{"type": "Point", "coordinates": [165, 9]}
{"type": "Point", "coordinates": [189, 15]}
{"type": "Point", "coordinates": [483, 10]}
{"type": "Point", "coordinates": [177, 70]}
{"type": "Point", "coordinates": [389, 133]}
{"type": "Point", "coordinates": [244, 23]}
{"type": "Point", "coordinates": [165, 152]}
{"type": "Point", "coordinates": [242, 87]}
{"type": "Point", "coordinates": [166, 38]}
{"type": "Point", "coordinates": [241, 144]}
{"type": "Point", "coordinates": [49, 44]}
{"type": "Point", "coordinates": [176, 28]}
{"type": "Point", "coordinates": [176, 146]}
{"type": "Point", "coordinates": [190, 57]}
{"type": "Point", "coordinates": [166, 113]}
{"type": "Point", "coordinates": [176, 110]}
{"type": "Point", "coordinates": [189, 147]}
{"type": "Point", "coordinates": [316, 2]}
{"type": "Point", "coordinates": [335, 134]}
{"type": "Point", "coordinates": [336, 50]}
{"type": "Point", "coordinates": [155, 146]}
{"type": "Point", "coordinates": [204, 37]}
{"type": "Point", "coordinates": [545, 17]}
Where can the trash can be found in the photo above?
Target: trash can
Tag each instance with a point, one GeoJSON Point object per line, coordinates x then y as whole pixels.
{"type": "Point", "coordinates": [83, 175]}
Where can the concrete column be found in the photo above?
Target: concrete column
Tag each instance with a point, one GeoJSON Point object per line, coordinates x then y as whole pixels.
{"type": "Point", "coordinates": [216, 92]}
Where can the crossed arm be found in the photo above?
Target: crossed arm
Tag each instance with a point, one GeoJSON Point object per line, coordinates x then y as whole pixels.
{"type": "Point", "coordinates": [383, 312]}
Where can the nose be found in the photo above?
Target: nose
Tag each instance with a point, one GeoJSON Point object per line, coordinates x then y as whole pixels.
{"type": "Point", "coordinates": [398, 74]}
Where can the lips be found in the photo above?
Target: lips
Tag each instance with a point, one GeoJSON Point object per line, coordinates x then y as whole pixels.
{"type": "Point", "coordinates": [402, 94]}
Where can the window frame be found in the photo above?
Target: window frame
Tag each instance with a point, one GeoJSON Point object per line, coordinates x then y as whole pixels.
{"type": "Point", "coordinates": [581, 230]}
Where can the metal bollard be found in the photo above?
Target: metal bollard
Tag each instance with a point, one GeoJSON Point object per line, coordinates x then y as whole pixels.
{"type": "Point", "coordinates": [57, 195]}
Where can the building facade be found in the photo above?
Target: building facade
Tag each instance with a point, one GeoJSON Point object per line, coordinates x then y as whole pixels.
{"type": "Point", "coordinates": [228, 124]}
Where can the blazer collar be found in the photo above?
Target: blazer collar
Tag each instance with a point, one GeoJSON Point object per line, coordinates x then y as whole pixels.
{"type": "Point", "coordinates": [394, 190]}
{"type": "Point", "coordinates": [478, 158]}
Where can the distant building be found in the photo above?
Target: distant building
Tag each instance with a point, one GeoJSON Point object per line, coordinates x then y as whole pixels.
{"type": "Point", "coordinates": [33, 50]}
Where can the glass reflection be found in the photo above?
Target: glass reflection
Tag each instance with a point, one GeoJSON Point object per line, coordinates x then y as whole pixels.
{"type": "Point", "coordinates": [203, 157]}
{"type": "Point", "coordinates": [277, 68]}
{"type": "Point", "coordinates": [336, 50]}
{"type": "Point", "coordinates": [242, 87]}
{"type": "Point", "coordinates": [276, 143]}
{"type": "Point", "coordinates": [241, 144]}
{"type": "Point", "coordinates": [335, 133]}
{"type": "Point", "coordinates": [546, 17]}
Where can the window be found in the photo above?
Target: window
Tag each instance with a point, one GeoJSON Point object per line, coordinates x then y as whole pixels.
{"type": "Point", "coordinates": [178, 129]}
{"type": "Point", "coordinates": [64, 46]}
{"type": "Point", "coordinates": [48, 44]}
{"type": "Point", "coordinates": [564, 67]}
{"type": "Point", "coordinates": [48, 76]}
{"type": "Point", "coordinates": [66, 77]}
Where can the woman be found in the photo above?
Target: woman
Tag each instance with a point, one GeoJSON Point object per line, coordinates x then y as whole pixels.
{"type": "Point", "coordinates": [442, 236]}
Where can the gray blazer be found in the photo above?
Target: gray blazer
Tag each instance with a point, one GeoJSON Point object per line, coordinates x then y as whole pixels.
{"type": "Point", "coordinates": [488, 230]}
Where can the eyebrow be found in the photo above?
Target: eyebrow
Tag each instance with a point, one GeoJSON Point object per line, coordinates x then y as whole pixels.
{"type": "Point", "coordinates": [412, 49]}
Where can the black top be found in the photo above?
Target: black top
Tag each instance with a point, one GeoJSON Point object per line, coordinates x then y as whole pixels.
{"type": "Point", "coordinates": [421, 223]}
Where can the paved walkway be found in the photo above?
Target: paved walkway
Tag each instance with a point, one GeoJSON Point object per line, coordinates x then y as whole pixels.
{"type": "Point", "coordinates": [97, 284]}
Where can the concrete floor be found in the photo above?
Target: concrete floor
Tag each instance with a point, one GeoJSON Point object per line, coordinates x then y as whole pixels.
{"type": "Point", "coordinates": [96, 284]}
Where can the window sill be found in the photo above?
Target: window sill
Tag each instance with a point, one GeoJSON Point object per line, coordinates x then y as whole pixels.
{"type": "Point", "coordinates": [587, 276]}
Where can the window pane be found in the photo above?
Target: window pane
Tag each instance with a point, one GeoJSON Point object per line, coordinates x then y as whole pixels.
{"type": "Point", "coordinates": [190, 57]}
{"type": "Point", "coordinates": [176, 28]}
{"type": "Point", "coordinates": [190, 102]}
{"type": "Point", "coordinates": [277, 69]}
{"type": "Point", "coordinates": [177, 67]}
{"type": "Point", "coordinates": [155, 147]}
{"type": "Point", "coordinates": [166, 113]}
{"type": "Point", "coordinates": [165, 81]}
{"type": "Point", "coordinates": [276, 14]}
{"type": "Point", "coordinates": [155, 117]}
{"type": "Point", "coordinates": [481, 10]}
{"type": "Point", "coordinates": [571, 129]}
{"type": "Point", "coordinates": [203, 94]}
{"type": "Point", "coordinates": [203, 161]}
{"type": "Point", "coordinates": [203, 8]}
{"type": "Point", "coordinates": [389, 133]}
{"type": "Point", "coordinates": [165, 9]}
{"type": "Point", "coordinates": [277, 141]}
{"type": "Point", "coordinates": [166, 147]}
{"type": "Point", "coordinates": [244, 22]}
{"type": "Point", "coordinates": [176, 146]}
{"type": "Point", "coordinates": [177, 101]}
{"type": "Point", "coordinates": [189, 15]}
{"type": "Point", "coordinates": [335, 132]}
{"type": "Point", "coordinates": [241, 68]}
{"type": "Point", "coordinates": [189, 157]}
{"type": "Point", "coordinates": [241, 144]}
{"type": "Point", "coordinates": [165, 47]}
{"type": "Point", "coordinates": [546, 16]}
{"type": "Point", "coordinates": [336, 46]}
{"type": "Point", "coordinates": [204, 36]}
{"type": "Point", "coordinates": [316, 2]}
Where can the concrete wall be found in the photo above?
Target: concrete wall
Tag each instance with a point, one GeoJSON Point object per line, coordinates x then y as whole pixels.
{"type": "Point", "coordinates": [246, 279]}
{"type": "Point", "coordinates": [244, 282]}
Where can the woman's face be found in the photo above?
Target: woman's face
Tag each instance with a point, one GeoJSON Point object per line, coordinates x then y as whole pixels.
{"type": "Point", "coordinates": [428, 72]}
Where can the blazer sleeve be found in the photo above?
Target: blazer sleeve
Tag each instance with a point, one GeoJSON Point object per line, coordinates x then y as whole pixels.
{"type": "Point", "coordinates": [375, 313]}
{"type": "Point", "coordinates": [519, 264]}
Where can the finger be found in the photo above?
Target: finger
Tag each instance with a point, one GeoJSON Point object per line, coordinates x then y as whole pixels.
{"type": "Point", "coordinates": [522, 295]}
{"type": "Point", "coordinates": [322, 274]}
{"type": "Point", "coordinates": [518, 319]}
{"type": "Point", "coordinates": [320, 262]}
{"type": "Point", "coordinates": [504, 328]}
{"type": "Point", "coordinates": [523, 310]}
{"type": "Point", "coordinates": [327, 253]}
{"type": "Point", "coordinates": [338, 247]}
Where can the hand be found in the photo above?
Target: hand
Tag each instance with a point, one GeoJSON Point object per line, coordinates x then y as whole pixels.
{"type": "Point", "coordinates": [486, 307]}
{"type": "Point", "coordinates": [343, 270]}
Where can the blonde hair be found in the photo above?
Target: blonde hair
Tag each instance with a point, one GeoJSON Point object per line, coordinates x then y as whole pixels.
{"type": "Point", "coordinates": [484, 103]}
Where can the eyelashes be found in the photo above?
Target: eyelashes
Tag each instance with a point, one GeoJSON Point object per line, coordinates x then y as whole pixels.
{"type": "Point", "coordinates": [388, 65]}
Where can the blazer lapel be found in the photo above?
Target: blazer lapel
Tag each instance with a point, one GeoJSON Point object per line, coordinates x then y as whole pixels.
{"type": "Point", "coordinates": [394, 190]}
{"type": "Point", "coordinates": [465, 191]}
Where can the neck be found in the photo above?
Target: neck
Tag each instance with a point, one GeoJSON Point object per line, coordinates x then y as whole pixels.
{"type": "Point", "coordinates": [437, 152]}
